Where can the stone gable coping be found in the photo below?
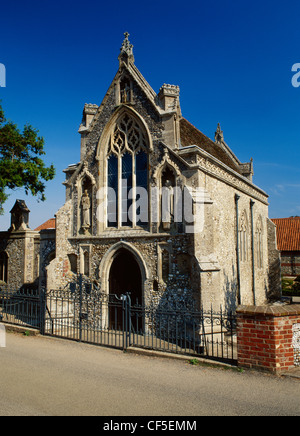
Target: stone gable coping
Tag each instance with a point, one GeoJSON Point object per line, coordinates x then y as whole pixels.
{"type": "Point", "coordinates": [272, 311]}
{"type": "Point", "coordinates": [215, 168]}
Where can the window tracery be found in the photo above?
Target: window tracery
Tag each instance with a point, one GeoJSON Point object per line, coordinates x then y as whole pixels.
{"type": "Point", "coordinates": [127, 174]}
{"type": "Point", "coordinates": [127, 136]}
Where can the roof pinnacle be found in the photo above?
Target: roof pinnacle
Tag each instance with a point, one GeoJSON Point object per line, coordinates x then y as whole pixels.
{"type": "Point", "coordinates": [219, 137]}
{"type": "Point", "coordinates": [126, 52]}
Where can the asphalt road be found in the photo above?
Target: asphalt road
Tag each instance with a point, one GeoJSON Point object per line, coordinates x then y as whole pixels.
{"type": "Point", "coordinates": [48, 376]}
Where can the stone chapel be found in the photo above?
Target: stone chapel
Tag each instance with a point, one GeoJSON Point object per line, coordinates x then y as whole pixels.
{"type": "Point", "coordinates": [155, 208]}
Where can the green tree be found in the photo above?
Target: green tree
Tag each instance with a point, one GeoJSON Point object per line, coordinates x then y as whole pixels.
{"type": "Point", "coordinates": [296, 284]}
{"type": "Point", "coordinates": [21, 163]}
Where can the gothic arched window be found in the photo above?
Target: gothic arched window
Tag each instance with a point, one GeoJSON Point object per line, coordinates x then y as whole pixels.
{"type": "Point", "coordinates": [127, 174]}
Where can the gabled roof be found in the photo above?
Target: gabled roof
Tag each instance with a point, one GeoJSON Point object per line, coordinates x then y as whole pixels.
{"type": "Point", "coordinates": [50, 224]}
{"type": "Point", "coordinates": [21, 205]}
{"type": "Point", "coordinates": [288, 233]}
{"type": "Point", "coordinates": [139, 80]}
{"type": "Point", "coordinates": [190, 135]}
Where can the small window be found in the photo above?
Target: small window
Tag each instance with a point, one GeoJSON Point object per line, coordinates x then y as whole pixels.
{"type": "Point", "coordinates": [3, 266]}
{"type": "Point", "coordinates": [86, 261]}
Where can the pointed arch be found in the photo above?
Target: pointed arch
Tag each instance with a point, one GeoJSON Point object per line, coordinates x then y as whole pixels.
{"type": "Point", "coordinates": [126, 139]}
{"type": "Point", "coordinates": [85, 185]}
{"type": "Point", "coordinates": [84, 173]}
{"type": "Point", "coordinates": [169, 180]}
{"type": "Point", "coordinates": [164, 164]}
{"type": "Point", "coordinates": [108, 130]}
{"type": "Point", "coordinates": [110, 255]}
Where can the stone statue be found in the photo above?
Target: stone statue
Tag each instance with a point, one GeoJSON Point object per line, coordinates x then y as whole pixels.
{"type": "Point", "coordinates": [86, 205]}
{"type": "Point", "coordinates": [167, 205]}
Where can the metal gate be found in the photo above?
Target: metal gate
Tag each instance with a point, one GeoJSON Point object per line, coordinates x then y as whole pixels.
{"type": "Point", "coordinates": [83, 313]}
{"type": "Point", "coordinates": [21, 307]}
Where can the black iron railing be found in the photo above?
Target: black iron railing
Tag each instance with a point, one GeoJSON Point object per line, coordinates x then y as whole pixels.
{"type": "Point", "coordinates": [21, 307]}
{"type": "Point", "coordinates": [194, 332]}
{"type": "Point", "coordinates": [83, 313]}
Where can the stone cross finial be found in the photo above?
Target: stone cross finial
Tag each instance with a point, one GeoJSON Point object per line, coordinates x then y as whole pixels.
{"type": "Point", "coordinates": [126, 46]}
{"type": "Point", "coordinates": [126, 50]}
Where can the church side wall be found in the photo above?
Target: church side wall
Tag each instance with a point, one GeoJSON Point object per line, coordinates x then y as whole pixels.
{"type": "Point", "coordinates": [221, 287]}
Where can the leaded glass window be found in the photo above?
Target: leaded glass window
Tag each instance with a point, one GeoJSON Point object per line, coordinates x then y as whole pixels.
{"type": "Point", "coordinates": [112, 194]}
{"type": "Point", "coordinates": [126, 187]}
{"type": "Point", "coordinates": [127, 174]}
{"type": "Point", "coordinates": [141, 170]}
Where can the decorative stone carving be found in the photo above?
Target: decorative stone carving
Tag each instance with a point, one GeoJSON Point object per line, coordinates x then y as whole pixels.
{"type": "Point", "coordinates": [167, 205]}
{"type": "Point", "coordinates": [219, 136]}
{"type": "Point", "coordinates": [126, 52]}
{"type": "Point", "coordinates": [86, 214]}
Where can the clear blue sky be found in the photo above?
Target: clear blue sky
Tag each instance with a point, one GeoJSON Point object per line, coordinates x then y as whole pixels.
{"type": "Point", "coordinates": [232, 60]}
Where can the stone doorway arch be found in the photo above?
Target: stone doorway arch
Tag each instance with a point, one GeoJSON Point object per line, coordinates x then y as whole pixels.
{"type": "Point", "coordinates": [122, 270]}
{"type": "Point", "coordinates": [108, 258]}
{"type": "Point", "coordinates": [125, 276]}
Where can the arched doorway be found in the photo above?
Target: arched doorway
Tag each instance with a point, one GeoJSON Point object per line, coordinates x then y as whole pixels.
{"type": "Point", "coordinates": [124, 276]}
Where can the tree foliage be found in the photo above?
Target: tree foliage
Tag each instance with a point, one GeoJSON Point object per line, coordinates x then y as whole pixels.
{"type": "Point", "coordinates": [21, 163]}
{"type": "Point", "coordinates": [296, 284]}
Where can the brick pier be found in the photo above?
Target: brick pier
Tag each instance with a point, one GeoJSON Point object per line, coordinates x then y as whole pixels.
{"type": "Point", "coordinates": [269, 337]}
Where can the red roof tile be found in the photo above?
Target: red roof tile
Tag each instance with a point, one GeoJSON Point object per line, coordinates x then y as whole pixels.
{"type": "Point", "coordinates": [288, 233]}
{"type": "Point", "coordinates": [50, 224]}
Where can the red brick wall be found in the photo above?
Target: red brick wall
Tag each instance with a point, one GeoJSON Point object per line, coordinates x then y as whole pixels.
{"type": "Point", "coordinates": [265, 337]}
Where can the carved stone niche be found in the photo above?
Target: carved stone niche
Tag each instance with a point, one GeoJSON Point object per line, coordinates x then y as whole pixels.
{"type": "Point", "coordinates": [168, 181]}
{"type": "Point", "coordinates": [86, 206]}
